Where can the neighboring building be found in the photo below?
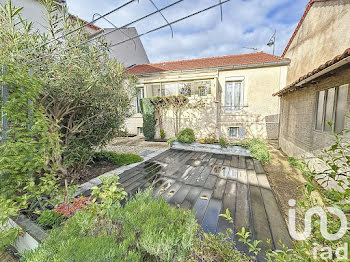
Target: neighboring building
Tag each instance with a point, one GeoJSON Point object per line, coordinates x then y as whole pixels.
{"type": "Point", "coordinates": [236, 90]}
{"type": "Point", "coordinates": [318, 78]}
{"type": "Point", "coordinates": [129, 53]}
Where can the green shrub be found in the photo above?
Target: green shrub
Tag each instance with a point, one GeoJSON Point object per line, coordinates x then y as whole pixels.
{"type": "Point", "coordinates": [162, 134]}
{"type": "Point", "coordinates": [171, 141]}
{"type": "Point", "coordinates": [148, 113]}
{"type": "Point", "coordinates": [117, 159]}
{"type": "Point", "coordinates": [223, 142]}
{"type": "Point", "coordinates": [258, 149]}
{"type": "Point", "coordinates": [186, 136]}
{"type": "Point", "coordinates": [146, 229]}
{"type": "Point", "coordinates": [50, 219]}
{"type": "Point", "coordinates": [210, 139]}
{"type": "Point", "coordinates": [209, 247]}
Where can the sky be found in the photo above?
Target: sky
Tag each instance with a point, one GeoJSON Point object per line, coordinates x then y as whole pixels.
{"type": "Point", "coordinates": [245, 24]}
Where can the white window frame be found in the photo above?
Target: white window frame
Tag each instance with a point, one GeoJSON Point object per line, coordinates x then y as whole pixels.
{"type": "Point", "coordinates": [229, 133]}
{"type": "Point", "coordinates": [231, 108]}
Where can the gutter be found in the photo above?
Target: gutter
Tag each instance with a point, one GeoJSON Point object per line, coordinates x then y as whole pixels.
{"type": "Point", "coordinates": [220, 68]}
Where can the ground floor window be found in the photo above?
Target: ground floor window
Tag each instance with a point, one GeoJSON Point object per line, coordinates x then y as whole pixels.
{"type": "Point", "coordinates": [140, 131]}
{"type": "Point", "coordinates": [233, 132]}
{"type": "Point", "coordinates": [331, 107]}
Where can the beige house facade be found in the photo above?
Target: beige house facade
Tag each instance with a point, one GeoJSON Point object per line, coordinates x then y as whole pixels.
{"type": "Point", "coordinates": [234, 94]}
{"type": "Point", "coordinates": [318, 79]}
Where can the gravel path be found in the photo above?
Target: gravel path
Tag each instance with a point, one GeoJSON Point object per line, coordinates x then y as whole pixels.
{"type": "Point", "coordinates": [134, 145]}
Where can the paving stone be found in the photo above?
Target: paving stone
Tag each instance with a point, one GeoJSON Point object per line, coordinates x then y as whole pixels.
{"type": "Point", "coordinates": [241, 162]}
{"type": "Point", "coordinates": [258, 167]}
{"type": "Point", "coordinates": [234, 161]}
{"type": "Point", "coordinates": [250, 163]}
{"type": "Point", "coordinates": [211, 216]}
{"type": "Point", "coordinates": [219, 188]}
{"type": "Point", "coordinates": [211, 181]}
{"type": "Point", "coordinates": [180, 195]}
{"type": "Point", "coordinates": [201, 204]}
{"type": "Point", "coordinates": [229, 203]}
{"type": "Point", "coordinates": [191, 198]}
{"type": "Point", "coordinates": [170, 192]}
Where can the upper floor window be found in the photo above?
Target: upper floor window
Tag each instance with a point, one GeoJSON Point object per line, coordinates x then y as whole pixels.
{"type": "Point", "coordinates": [233, 95]}
{"type": "Point", "coordinates": [331, 108]}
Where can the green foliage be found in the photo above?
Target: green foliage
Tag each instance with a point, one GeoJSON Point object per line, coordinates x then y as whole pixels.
{"type": "Point", "coordinates": [223, 142]}
{"type": "Point", "coordinates": [109, 194]}
{"type": "Point", "coordinates": [117, 159]}
{"type": "Point", "coordinates": [258, 149]}
{"type": "Point", "coordinates": [210, 139]}
{"type": "Point", "coordinates": [148, 118]}
{"type": "Point", "coordinates": [50, 219]}
{"type": "Point", "coordinates": [162, 134]}
{"type": "Point", "coordinates": [227, 216]}
{"type": "Point", "coordinates": [186, 135]}
{"type": "Point", "coordinates": [146, 229]}
{"type": "Point", "coordinates": [87, 99]}
{"type": "Point", "coordinates": [171, 141]}
{"type": "Point", "coordinates": [27, 157]}
{"type": "Point", "coordinates": [244, 237]}
{"type": "Point", "coordinates": [294, 162]}
{"type": "Point", "coordinates": [220, 247]}
{"type": "Point", "coordinates": [336, 158]}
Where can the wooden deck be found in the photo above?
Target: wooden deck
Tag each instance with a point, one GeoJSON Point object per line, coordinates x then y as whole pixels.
{"type": "Point", "coordinates": [211, 183]}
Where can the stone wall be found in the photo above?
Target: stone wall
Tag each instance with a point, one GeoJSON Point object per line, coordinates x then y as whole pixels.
{"type": "Point", "coordinates": [297, 134]}
{"type": "Point", "coordinates": [323, 35]}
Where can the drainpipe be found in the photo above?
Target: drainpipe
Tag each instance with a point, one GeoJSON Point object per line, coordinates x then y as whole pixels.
{"type": "Point", "coordinates": [218, 104]}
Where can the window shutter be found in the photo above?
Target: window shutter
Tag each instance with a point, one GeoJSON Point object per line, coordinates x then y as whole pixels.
{"type": "Point", "coordinates": [241, 132]}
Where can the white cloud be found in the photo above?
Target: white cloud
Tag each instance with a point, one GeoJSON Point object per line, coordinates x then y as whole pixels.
{"type": "Point", "coordinates": [246, 23]}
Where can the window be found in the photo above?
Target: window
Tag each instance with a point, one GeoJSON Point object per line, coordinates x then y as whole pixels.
{"type": "Point", "coordinates": [140, 131]}
{"type": "Point", "coordinates": [185, 89]}
{"type": "Point", "coordinates": [203, 91]}
{"type": "Point", "coordinates": [233, 132]}
{"type": "Point", "coordinates": [233, 95]}
{"type": "Point", "coordinates": [331, 107]}
{"type": "Point", "coordinates": [169, 89]}
{"type": "Point", "coordinates": [156, 90]}
{"type": "Point", "coordinates": [140, 95]}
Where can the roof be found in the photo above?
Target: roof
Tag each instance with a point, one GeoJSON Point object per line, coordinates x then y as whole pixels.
{"type": "Point", "coordinates": [322, 67]}
{"type": "Point", "coordinates": [92, 26]}
{"type": "Point", "coordinates": [259, 58]}
{"type": "Point", "coordinates": [307, 9]}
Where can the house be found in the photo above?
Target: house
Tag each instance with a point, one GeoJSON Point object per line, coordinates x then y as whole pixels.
{"type": "Point", "coordinates": [318, 78]}
{"type": "Point", "coordinates": [235, 90]}
{"type": "Point", "coordinates": [129, 53]}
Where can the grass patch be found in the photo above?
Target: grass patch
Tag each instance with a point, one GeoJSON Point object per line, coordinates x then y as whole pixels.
{"type": "Point", "coordinates": [258, 149]}
{"type": "Point", "coordinates": [117, 159]}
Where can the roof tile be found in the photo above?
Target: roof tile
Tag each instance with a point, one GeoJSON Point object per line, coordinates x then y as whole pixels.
{"type": "Point", "coordinates": [211, 62]}
{"type": "Point", "coordinates": [333, 61]}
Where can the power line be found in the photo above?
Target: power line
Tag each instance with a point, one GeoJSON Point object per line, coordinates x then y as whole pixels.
{"type": "Point", "coordinates": [171, 28]}
{"type": "Point", "coordinates": [148, 32]}
{"type": "Point", "coordinates": [80, 27]}
{"type": "Point", "coordinates": [113, 30]}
